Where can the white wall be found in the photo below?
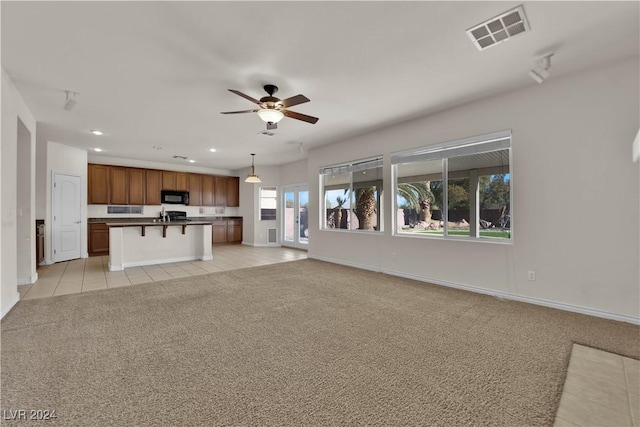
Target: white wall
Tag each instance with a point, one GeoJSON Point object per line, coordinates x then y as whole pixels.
{"type": "Point", "coordinates": [25, 201]}
{"type": "Point", "coordinates": [13, 108]}
{"type": "Point", "coordinates": [254, 231]}
{"type": "Point", "coordinates": [576, 205]}
{"type": "Point", "coordinates": [100, 211]}
{"type": "Point", "coordinates": [294, 173]}
{"type": "Point", "coordinates": [65, 159]}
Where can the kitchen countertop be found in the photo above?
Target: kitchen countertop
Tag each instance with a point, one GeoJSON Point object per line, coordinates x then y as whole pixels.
{"type": "Point", "coordinates": [148, 220]}
{"type": "Point", "coordinates": [155, 222]}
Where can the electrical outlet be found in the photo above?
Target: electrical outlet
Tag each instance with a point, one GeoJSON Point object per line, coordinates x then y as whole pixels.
{"type": "Point", "coordinates": [531, 275]}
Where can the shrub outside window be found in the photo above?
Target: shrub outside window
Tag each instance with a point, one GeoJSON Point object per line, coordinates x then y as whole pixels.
{"type": "Point", "coordinates": [460, 189]}
{"type": "Point", "coordinates": [268, 203]}
{"type": "Point", "coordinates": [352, 195]}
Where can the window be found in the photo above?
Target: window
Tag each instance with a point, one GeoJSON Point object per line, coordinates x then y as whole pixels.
{"type": "Point", "coordinates": [352, 195]}
{"type": "Point", "coordinates": [268, 203]}
{"type": "Point", "coordinates": [460, 189]}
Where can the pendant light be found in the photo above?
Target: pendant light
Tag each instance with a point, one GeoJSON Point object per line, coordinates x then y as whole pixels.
{"type": "Point", "coordinates": [252, 177]}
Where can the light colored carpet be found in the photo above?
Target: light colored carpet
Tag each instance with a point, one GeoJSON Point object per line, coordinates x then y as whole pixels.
{"type": "Point", "coordinates": [299, 343]}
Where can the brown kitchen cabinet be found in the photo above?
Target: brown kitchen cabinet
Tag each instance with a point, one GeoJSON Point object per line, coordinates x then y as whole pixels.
{"type": "Point", "coordinates": [233, 191]}
{"type": "Point", "coordinates": [168, 180]}
{"type": "Point", "coordinates": [195, 189]}
{"type": "Point", "coordinates": [153, 186]}
{"type": "Point", "coordinates": [226, 231]}
{"type": "Point", "coordinates": [118, 186]}
{"type": "Point", "coordinates": [234, 231]}
{"type": "Point", "coordinates": [39, 242]}
{"type": "Point", "coordinates": [136, 186]}
{"type": "Point", "coordinates": [98, 239]}
{"type": "Point", "coordinates": [219, 232]}
{"type": "Point", "coordinates": [207, 190]}
{"type": "Point", "coordinates": [98, 184]}
{"type": "Point", "coordinates": [182, 181]}
{"type": "Point", "coordinates": [220, 191]}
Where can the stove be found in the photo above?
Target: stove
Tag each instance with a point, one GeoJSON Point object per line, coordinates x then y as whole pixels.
{"type": "Point", "coordinates": [177, 216]}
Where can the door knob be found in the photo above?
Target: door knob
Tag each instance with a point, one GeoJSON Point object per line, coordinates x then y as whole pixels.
{"type": "Point", "coordinates": [78, 222]}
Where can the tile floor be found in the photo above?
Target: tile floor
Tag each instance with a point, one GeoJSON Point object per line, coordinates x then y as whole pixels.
{"type": "Point", "coordinates": [601, 389]}
{"type": "Point", "coordinates": [89, 274]}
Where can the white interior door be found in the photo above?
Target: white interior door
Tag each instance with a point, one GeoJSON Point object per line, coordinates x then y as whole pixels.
{"type": "Point", "coordinates": [66, 217]}
{"type": "Point", "coordinates": [295, 227]}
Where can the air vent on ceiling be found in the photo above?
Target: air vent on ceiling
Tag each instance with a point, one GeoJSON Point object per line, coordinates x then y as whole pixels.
{"type": "Point", "coordinates": [498, 29]}
{"type": "Point", "coordinates": [180, 157]}
{"type": "Point", "coordinates": [266, 132]}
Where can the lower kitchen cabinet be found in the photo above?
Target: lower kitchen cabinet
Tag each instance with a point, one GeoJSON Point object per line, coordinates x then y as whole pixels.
{"type": "Point", "coordinates": [227, 231]}
{"type": "Point", "coordinates": [98, 239]}
{"type": "Point", "coordinates": [234, 231]}
{"type": "Point", "coordinates": [39, 243]}
{"type": "Point", "coordinates": [219, 232]}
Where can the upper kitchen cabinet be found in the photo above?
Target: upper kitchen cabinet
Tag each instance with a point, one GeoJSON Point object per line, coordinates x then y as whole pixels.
{"type": "Point", "coordinates": [98, 184]}
{"type": "Point", "coordinates": [220, 193]}
{"type": "Point", "coordinates": [233, 191]}
{"type": "Point", "coordinates": [120, 185]}
{"type": "Point", "coordinates": [137, 188]}
{"type": "Point", "coordinates": [195, 189]}
{"type": "Point", "coordinates": [153, 187]}
{"type": "Point", "coordinates": [182, 181]}
{"type": "Point", "coordinates": [168, 180]}
{"type": "Point", "coordinates": [207, 190]}
{"type": "Point", "coordinates": [119, 188]}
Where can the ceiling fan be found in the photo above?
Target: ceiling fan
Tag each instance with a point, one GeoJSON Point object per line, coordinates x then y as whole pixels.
{"type": "Point", "coordinates": [273, 109]}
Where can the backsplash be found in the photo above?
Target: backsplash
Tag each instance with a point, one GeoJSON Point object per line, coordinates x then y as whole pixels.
{"type": "Point", "coordinates": [101, 211]}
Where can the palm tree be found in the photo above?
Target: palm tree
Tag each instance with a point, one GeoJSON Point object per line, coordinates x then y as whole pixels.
{"type": "Point", "coordinates": [337, 222]}
{"type": "Point", "coordinates": [419, 197]}
{"type": "Point", "coordinates": [365, 207]}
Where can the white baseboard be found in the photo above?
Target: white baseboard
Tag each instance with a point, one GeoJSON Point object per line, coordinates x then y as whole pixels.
{"type": "Point", "coordinates": [206, 258]}
{"type": "Point", "coordinates": [28, 280]}
{"type": "Point", "coordinates": [9, 306]}
{"type": "Point", "coordinates": [506, 295]}
{"type": "Point", "coordinates": [262, 245]}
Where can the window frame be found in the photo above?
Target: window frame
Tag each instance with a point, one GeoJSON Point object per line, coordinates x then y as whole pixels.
{"type": "Point", "coordinates": [467, 146]}
{"type": "Point", "coordinates": [260, 198]}
{"type": "Point", "coordinates": [373, 162]}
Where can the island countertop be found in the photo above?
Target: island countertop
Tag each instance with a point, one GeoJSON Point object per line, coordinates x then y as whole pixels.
{"type": "Point", "coordinates": [148, 220]}
{"type": "Point", "coordinates": [154, 222]}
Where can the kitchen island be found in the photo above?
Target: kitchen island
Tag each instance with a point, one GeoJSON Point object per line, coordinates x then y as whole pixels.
{"type": "Point", "coordinates": [146, 242]}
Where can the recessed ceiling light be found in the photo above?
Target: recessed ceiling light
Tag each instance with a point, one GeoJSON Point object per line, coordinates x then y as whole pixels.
{"type": "Point", "coordinates": [97, 149]}
{"type": "Point", "coordinates": [96, 132]}
{"type": "Point", "coordinates": [155, 147]}
{"type": "Point", "coordinates": [192, 161]}
{"type": "Point", "coordinates": [213, 150]}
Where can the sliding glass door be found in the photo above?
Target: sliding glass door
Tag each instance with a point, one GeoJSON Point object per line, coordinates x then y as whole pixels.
{"type": "Point", "coordinates": [295, 227]}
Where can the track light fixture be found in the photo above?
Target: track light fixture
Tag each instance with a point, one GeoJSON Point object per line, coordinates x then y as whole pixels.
{"type": "Point", "coordinates": [252, 177]}
{"type": "Point", "coordinates": [71, 100]}
{"type": "Point", "coordinates": [541, 72]}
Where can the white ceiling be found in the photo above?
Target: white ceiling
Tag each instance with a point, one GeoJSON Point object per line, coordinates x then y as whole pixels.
{"type": "Point", "coordinates": [157, 73]}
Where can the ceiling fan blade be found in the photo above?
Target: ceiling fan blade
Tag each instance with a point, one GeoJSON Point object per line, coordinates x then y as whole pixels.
{"type": "Point", "coordinates": [237, 92]}
{"type": "Point", "coordinates": [238, 112]}
{"type": "Point", "coordinates": [272, 126]}
{"type": "Point", "coordinates": [294, 100]}
{"type": "Point", "coordinates": [299, 116]}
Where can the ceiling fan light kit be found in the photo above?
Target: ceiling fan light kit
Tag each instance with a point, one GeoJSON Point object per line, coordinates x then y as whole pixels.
{"type": "Point", "coordinates": [273, 109]}
{"type": "Point", "coordinates": [270, 115]}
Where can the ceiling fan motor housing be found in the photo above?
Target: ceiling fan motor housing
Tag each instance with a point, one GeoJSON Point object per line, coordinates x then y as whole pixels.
{"type": "Point", "coordinates": [271, 89]}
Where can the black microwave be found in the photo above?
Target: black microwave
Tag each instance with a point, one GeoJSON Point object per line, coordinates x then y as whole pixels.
{"type": "Point", "coordinates": [173, 197]}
